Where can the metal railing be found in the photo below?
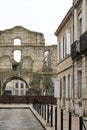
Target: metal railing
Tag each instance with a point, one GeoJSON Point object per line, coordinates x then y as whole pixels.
{"type": "Point", "coordinates": [27, 99]}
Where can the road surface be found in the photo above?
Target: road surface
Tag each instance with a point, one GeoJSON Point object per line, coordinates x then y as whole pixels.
{"type": "Point", "coordinates": [18, 119]}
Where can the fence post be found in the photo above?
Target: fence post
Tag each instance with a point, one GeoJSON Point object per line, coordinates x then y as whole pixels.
{"type": "Point", "coordinates": [51, 116]}
{"type": "Point", "coordinates": [80, 122]}
{"type": "Point", "coordinates": [47, 113]}
{"type": "Point", "coordinates": [80, 117]}
{"type": "Point", "coordinates": [70, 120]}
{"type": "Point", "coordinates": [61, 119]}
{"type": "Point", "coordinates": [42, 110]}
{"type": "Point", "coordinates": [55, 118]}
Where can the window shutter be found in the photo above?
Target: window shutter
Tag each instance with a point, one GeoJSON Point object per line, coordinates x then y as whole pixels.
{"type": "Point", "coordinates": [64, 45]}
{"type": "Point", "coordinates": [61, 48]}
{"type": "Point", "coordinates": [57, 87]}
{"type": "Point", "coordinates": [67, 86]}
{"type": "Point", "coordinates": [68, 41]}
{"type": "Point", "coordinates": [70, 86]}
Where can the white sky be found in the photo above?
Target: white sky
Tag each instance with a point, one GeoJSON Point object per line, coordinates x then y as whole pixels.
{"type": "Point", "coordinates": [36, 15]}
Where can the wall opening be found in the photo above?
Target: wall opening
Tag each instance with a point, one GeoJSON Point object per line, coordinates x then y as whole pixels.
{"type": "Point", "coordinates": [17, 41]}
{"type": "Point", "coordinates": [47, 67]}
{"type": "Point", "coordinates": [17, 55]}
{"type": "Point", "coordinates": [16, 87]}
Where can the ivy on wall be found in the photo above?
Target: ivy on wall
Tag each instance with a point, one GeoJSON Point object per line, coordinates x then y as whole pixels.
{"type": "Point", "coordinates": [35, 85]}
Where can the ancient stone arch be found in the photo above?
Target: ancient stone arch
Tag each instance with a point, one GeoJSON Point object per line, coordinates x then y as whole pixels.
{"type": "Point", "coordinates": [13, 78]}
{"type": "Point", "coordinates": [32, 47]}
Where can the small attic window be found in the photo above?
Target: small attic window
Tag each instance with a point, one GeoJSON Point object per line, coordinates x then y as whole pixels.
{"type": "Point", "coordinates": [17, 41]}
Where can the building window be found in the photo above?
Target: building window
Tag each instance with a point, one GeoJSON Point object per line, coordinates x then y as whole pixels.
{"type": "Point", "coordinates": [22, 85]}
{"type": "Point", "coordinates": [79, 83]}
{"type": "Point", "coordinates": [16, 85]}
{"type": "Point", "coordinates": [22, 92]}
{"type": "Point", "coordinates": [69, 84]}
{"type": "Point", "coordinates": [64, 45]}
{"type": "Point", "coordinates": [79, 78]}
{"type": "Point", "coordinates": [16, 92]}
{"type": "Point", "coordinates": [80, 24]}
{"type": "Point", "coordinates": [64, 87]}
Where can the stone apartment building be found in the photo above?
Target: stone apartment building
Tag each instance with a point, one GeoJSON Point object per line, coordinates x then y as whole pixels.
{"type": "Point", "coordinates": [79, 55]}
{"type": "Point", "coordinates": [72, 58]}
{"type": "Point", "coordinates": [64, 35]}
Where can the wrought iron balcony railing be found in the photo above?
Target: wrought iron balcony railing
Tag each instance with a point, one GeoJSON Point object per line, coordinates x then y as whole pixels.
{"type": "Point", "coordinates": [79, 47]}
{"type": "Point", "coordinates": [75, 49]}
{"type": "Point", "coordinates": [83, 42]}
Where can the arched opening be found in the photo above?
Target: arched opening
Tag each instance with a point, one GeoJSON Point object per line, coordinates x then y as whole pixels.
{"type": "Point", "coordinates": [47, 58]}
{"type": "Point", "coordinates": [17, 41]}
{"type": "Point", "coordinates": [17, 55]}
{"type": "Point", "coordinates": [47, 61]}
{"type": "Point", "coordinates": [15, 86]}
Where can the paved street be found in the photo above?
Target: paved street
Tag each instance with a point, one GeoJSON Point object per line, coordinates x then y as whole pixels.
{"type": "Point", "coordinates": [18, 119]}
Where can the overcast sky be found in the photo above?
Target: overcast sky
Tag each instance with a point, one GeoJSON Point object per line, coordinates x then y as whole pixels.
{"type": "Point", "coordinates": [36, 15]}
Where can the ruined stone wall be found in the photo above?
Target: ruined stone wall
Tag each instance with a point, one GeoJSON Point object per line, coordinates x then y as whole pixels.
{"type": "Point", "coordinates": [32, 48]}
{"type": "Point", "coordinates": [27, 37]}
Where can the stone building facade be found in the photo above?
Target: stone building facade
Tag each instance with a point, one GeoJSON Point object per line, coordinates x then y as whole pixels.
{"type": "Point", "coordinates": [31, 48]}
{"type": "Point", "coordinates": [73, 97]}
{"type": "Point", "coordinates": [79, 55]}
{"type": "Point", "coordinates": [64, 35]}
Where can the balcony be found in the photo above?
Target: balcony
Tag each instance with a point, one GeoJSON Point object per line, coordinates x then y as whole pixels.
{"type": "Point", "coordinates": [83, 42]}
{"type": "Point", "coordinates": [79, 47]}
{"type": "Point", "coordinates": [75, 49]}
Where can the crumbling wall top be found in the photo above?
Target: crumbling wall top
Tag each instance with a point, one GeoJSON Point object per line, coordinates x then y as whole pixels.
{"type": "Point", "coordinates": [26, 36]}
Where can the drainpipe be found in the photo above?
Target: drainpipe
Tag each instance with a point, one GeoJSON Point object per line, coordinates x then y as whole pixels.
{"type": "Point", "coordinates": [73, 93]}
{"type": "Point", "coordinates": [73, 60]}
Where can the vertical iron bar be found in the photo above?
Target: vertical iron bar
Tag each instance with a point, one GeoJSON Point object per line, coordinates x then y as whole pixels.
{"type": "Point", "coordinates": [61, 119]}
{"type": "Point", "coordinates": [70, 121]}
{"type": "Point", "coordinates": [42, 110]}
{"type": "Point", "coordinates": [47, 113]}
{"type": "Point", "coordinates": [55, 118]}
{"type": "Point", "coordinates": [51, 116]}
{"type": "Point", "coordinates": [80, 122]}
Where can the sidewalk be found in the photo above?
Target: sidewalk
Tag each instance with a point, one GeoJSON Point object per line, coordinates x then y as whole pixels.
{"type": "Point", "coordinates": [14, 106]}
{"type": "Point", "coordinates": [40, 119]}
{"type": "Point", "coordinates": [75, 121]}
